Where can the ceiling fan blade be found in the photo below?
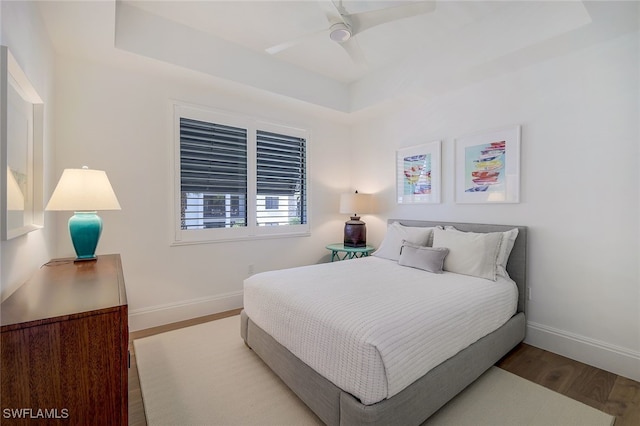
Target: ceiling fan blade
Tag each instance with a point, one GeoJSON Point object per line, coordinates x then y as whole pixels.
{"type": "Point", "coordinates": [291, 43]}
{"type": "Point", "coordinates": [333, 15]}
{"type": "Point", "coordinates": [354, 51]}
{"type": "Point", "coordinates": [365, 20]}
{"type": "Point", "coordinates": [333, 12]}
{"type": "Point", "coordinates": [282, 46]}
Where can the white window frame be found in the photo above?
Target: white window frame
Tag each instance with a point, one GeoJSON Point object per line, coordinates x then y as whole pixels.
{"type": "Point", "coordinates": [252, 230]}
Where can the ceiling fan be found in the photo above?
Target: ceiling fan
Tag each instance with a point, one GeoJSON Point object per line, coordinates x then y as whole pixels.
{"type": "Point", "coordinates": [344, 26]}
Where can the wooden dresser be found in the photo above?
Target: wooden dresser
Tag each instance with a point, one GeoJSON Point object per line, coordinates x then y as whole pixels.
{"type": "Point", "coordinates": [64, 347]}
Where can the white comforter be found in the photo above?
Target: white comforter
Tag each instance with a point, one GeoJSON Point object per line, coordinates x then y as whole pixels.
{"type": "Point", "coordinates": [371, 326]}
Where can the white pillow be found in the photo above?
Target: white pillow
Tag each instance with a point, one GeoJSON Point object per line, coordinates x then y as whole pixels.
{"type": "Point", "coordinates": [396, 233]}
{"type": "Point", "coordinates": [506, 245]}
{"type": "Point", "coordinates": [470, 253]}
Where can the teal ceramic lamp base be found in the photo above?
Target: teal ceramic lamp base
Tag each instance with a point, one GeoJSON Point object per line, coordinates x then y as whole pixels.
{"type": "Point", "coordinates": [85, 229]}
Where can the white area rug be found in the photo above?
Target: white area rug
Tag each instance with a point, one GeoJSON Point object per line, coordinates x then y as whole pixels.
{"type": "Point", "coordinates": [205, 375]}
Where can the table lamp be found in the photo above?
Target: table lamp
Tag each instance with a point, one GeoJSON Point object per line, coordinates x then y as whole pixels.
{"type": "Point", "coordinates": [355, 230]}
{"type": "Point", "coordinates": [84, 191]}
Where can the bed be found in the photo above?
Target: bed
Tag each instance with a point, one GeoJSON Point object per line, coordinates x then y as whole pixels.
{"type": "Point", "coordinates": [381, 373]}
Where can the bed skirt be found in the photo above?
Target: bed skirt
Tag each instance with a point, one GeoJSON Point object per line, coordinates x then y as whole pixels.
{"type": "Point", "coordinates": [413, 405]}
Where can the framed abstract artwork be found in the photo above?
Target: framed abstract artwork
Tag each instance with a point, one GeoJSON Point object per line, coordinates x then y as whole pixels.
{"type": "Point", "coordinates": [418, 174]}
{"type": "Point", "coordinates": [487, 167]}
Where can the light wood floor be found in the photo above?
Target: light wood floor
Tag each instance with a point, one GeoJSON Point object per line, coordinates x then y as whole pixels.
{"type": "Point", "coordinates": [600, 389]}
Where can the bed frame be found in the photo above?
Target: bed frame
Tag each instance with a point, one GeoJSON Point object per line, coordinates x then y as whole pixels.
{"type": "Point", "coordinates": [425, 396]}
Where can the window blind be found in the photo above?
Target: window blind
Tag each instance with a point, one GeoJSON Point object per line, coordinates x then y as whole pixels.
{"type": "Point", "coordinates": [213, 175]}
{"type": "Point", "coordinates": [281, 172]}
{"type": "Point", "coordinates": [213, 158]}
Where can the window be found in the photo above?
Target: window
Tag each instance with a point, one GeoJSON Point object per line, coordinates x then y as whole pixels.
{"type": "Point", "coordinates": [281, 173]}
{"type": "Point", "coordinates": [271, 203]}
{"type": "Point", "coordinates": [213, 175]}
{"type": "Point", "coordinates": [237, 177]}
{"type": "Point", "coordinates": [221, 211]}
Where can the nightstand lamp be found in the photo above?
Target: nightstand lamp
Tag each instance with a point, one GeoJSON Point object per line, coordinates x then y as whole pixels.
{"type": "Point", "coordinates": [355, 230]}
{"type": "Point", "coordinates": [84, 191]}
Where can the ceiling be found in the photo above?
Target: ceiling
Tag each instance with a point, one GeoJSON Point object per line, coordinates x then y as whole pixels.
{"type": "Point", "coordinates": [455, 44]}
{"type": "Point", "coordinates": [259, 25]}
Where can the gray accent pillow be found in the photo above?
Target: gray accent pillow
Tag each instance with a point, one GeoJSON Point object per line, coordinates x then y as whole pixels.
{"type": "Point", "coordinates": [429, 259]}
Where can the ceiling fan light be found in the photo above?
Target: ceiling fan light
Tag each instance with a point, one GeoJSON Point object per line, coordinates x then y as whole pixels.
{"type": "Point", "coordinates": [340, 32]}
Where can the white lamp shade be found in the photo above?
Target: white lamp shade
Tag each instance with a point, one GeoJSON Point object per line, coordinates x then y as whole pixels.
{"type": "Point", "coordinates": [355, 203]}
{"type": "Point", "coordinates": [83, 190]}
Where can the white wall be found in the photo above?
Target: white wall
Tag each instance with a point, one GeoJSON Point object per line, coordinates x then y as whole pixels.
{"type": "Point", "coordinates": [120, 120]}
{"type": "Point", "coordinates": [579, 190]}
{"type": "Point", "coordinates": [22, 32]}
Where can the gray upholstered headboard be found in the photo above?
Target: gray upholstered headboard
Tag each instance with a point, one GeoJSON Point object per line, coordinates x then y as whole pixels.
{"type": "Point", "coordinates": [517, 264]}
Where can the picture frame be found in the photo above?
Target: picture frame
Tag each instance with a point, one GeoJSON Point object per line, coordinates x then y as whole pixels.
{"type": "Point", "coordinates": [487, 167]}
{"type": "Point", "coordinates": [418, 172]}
{"type": "Point", "coordinates": [21, 150]}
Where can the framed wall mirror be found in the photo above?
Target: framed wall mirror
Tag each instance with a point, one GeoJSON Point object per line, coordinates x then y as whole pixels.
{"type": "Point", "coordinates": [21, 141]}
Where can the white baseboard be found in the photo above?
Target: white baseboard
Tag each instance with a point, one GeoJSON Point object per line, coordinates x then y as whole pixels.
{"type": "Point", "coordinates": [622, 361]}
{"type": "Point", "coordinates": [141, 319]}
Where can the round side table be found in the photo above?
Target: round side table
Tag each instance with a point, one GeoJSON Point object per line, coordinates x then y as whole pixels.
{"type": "Point", "coordinates": [341, 252]}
